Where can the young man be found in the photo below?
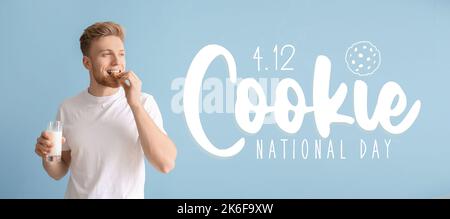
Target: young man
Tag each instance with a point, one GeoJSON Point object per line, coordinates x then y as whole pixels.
{"type": "Point", "coordinates": [110, 127]}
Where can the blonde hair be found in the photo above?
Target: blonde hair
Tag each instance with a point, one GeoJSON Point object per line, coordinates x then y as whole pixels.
{"type": "Point", "coordinates": [98, 30]}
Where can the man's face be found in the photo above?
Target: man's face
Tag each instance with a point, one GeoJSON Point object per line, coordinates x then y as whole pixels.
{"type": "Point", "coordinates": [106, 57]}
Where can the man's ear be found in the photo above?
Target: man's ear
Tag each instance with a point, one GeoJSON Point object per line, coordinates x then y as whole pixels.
{"type": "Point", "coordinates": [87, 63]}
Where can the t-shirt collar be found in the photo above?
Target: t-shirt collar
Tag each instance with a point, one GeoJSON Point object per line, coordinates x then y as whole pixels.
{"type": "Point", "coordinates": [103, 99]}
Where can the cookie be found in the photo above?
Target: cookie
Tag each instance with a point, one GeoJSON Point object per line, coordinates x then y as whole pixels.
{"type": "Point", "coordinates": [363, 58]}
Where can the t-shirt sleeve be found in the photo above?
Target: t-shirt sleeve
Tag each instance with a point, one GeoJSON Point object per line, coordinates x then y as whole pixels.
{"type": "Point", "coordinates": [60, 117]}
{"type": "Point", "coordinates": [151, 107]}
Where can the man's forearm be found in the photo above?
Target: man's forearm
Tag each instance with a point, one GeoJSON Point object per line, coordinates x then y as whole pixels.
{"type": "Point", "coordinates": [157, 147]}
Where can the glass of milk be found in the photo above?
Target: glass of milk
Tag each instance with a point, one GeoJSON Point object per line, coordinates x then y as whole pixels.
{"type": "Point", "coordinates": [55, 131]}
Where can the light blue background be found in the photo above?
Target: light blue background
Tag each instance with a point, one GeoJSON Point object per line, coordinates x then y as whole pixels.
{"type": "Point", "coordinates": [41, 66]}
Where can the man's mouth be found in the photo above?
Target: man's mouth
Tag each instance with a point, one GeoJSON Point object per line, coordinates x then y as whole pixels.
{"type": "Point", "coordinates": [113, 71]}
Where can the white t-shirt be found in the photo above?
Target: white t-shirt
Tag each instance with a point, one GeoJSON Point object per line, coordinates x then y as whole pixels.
{"type": "Point", "coordinates": [101, 133]}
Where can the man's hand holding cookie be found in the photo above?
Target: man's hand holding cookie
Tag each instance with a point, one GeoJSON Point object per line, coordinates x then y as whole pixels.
{"type": "Point", "coordinates": [132, 86]}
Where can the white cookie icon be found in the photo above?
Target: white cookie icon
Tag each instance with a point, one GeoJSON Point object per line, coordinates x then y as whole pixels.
{"type": "Point", "coordinates": [363, 58]}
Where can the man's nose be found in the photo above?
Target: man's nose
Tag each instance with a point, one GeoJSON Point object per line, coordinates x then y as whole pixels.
{"type": "Point", "coordinates": [116, 59]}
